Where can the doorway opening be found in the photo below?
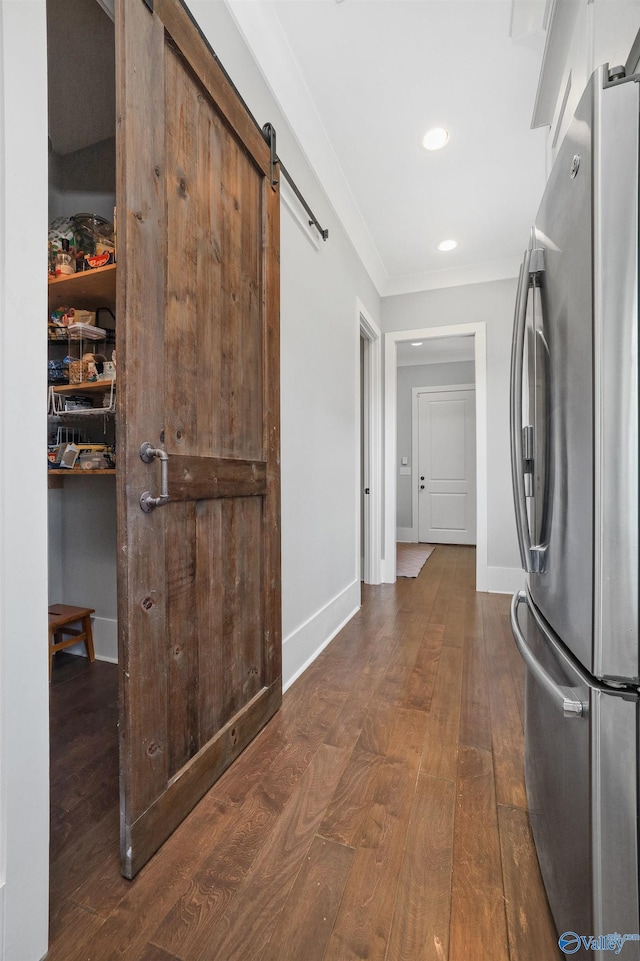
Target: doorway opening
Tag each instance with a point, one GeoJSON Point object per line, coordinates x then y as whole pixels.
{"type": "Point", "coordinates": [398, 475]}
{"type": "Point", "coordinates": [436, 441]}
{"type": "Point", "coordinates": [84, 790]}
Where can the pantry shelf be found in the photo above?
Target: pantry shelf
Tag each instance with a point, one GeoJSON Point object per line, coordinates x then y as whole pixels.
{"type": "Point", "coordinates": [86, 387]}
{"type": "Point", "coordinates": [87, 290]}
{"type": "Point", "coordinates": [79, 472]}
{"type": "Point", "coordinates": [56, 406]}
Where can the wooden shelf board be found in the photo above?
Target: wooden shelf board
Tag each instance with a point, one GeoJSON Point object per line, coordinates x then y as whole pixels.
{"type": "Point", "coordinates": [74, 471]}
{"type": "Point", "coordinates": [86, 387]}
{"type": "Point", "coordinates": [88, 290]}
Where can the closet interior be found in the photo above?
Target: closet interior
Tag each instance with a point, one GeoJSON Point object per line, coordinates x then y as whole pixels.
{"type": "Point", "coordinates": [82, 451]}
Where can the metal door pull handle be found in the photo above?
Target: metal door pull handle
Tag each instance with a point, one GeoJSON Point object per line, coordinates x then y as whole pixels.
{"type": "Point", "coordinates": [147, 454]}
{"type": "Point", "coordinates": [563, 696]}
{"type": "Point", "coordinates": [533, 556]}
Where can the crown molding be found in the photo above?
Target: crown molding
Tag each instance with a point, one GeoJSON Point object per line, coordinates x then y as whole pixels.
{"type": "Point", "coordinates": [506, 269]}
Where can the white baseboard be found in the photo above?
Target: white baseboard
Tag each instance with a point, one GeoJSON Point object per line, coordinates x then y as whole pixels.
{"type": "Point", "coordinates": [406, 535]}
{"type": "Point", "coordinates": [105, 640]}
{"type": "Point", "coordinates": [505, 580]}
{"type": "Point", "coordinates": [303, 645]}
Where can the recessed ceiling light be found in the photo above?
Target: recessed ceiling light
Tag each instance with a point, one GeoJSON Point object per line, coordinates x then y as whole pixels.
{"type": "Point", "coordinates": [416, 343]}
{"type": "Point", "coordinates": [436, 138]}
{"type": "Point", "coordinates": [447, 244]}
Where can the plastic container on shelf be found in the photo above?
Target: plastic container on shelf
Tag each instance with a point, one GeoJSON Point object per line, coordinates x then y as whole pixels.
{"type": "Point", "coordinates": [78, 331]}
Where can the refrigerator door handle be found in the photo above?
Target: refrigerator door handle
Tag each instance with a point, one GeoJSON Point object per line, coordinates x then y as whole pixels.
{"type": "Point", "coordinates": [522, 437]}
{"type": "Point", "coordinates": [566, 699]}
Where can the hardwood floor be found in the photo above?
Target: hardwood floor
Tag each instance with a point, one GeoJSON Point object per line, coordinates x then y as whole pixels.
{"type": "Point", "coordinates": [381, 815]}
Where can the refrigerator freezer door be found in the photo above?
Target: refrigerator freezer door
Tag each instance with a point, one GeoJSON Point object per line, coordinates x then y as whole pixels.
{"type": "Point", "coordinates": [581, 791]}
{"type": "Point", "coordinates": [557, 765]}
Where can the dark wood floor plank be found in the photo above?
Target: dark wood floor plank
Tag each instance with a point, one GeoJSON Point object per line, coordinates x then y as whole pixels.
{"type": "Point", "coordinates": [478, 922]}
{"type": "Point", "coordinates": [473, 623]}
{"type": "Point", "coordinates": [376, 727]}
{"type": "Point", "coordinates": [76, 862]}
{"type": "Point", "coordinates": [420, 930]}
{"type": "Point", "coordinates": [515, 660]}
{"type": "Point", "coordinates": [348, 725]}
{"type": "Point", "coordinates": [316, 713]}
{"type": "Point", "coordinates": [210, 889]}
{"type": "Point", "coordinates": [343, 818]}
{"type": "Point", "coordinates": [475, 714]}
{"type": "Point", "coordinates": [456, 612]}
{"type": "Point", "coordinates": [395, 684]}
{"type": "Point", "coordinates": [420, 687]}
{"type": "Point", "coordinates": [151, 952]}
{"type": "Point", "coordinates": [420, 594]}
{"type": "Point", "coordinates": [167, 885]}
{"type": "Point", "coordinates": [531, 929]}
{"type": "Point", "coordinates": [70, 930]}
{"type": "Point", "coordinates": [83, 810]}
{"type": "Point", "coordinates": [442, 602]}
{"type": "Point", "coordinates": [307, 918]}
{"type": "Point", "coordinates": [104, 887]}
{"type": "Point", "coordinates": [129, 926]}
{"type": "Point", "coordinates": [255, 914]}
{"type": "Point", "coordinates": [506, 723]}
{"type": "Point", "coordinates": [440, 752]}
{"type": "Point", "coordinates": [366, 913]}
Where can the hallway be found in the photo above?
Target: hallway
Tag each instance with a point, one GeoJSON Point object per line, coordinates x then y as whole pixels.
{"type": "Point", "coordinates": [380, 815]}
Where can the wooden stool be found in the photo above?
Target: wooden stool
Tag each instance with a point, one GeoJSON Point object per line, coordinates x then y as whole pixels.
{"type": "Point", "coordinates": [60, 616]}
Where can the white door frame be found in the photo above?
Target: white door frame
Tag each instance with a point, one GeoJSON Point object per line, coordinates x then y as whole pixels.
{"type": "Point", "coordinates": [392, 339]}
{"type": "Point", "coordinates": [24, 674]}
{"type": "Point", "coordinates": [369, 331]}
{"type": "Point", "coordinates": [415, 445]}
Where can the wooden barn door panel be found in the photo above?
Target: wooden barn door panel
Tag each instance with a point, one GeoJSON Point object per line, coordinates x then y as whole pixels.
{"type": "Point", "coordinates": [198, 312]}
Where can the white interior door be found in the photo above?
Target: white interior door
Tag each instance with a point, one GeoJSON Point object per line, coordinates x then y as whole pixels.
{"type": "Point", "coordinates": [447, 467]}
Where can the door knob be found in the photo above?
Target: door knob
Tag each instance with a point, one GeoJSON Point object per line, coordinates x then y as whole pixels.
{"type": "Point", "coordinates": [421, 487]}
{"type": "Point", "coordinates": [422, 478]}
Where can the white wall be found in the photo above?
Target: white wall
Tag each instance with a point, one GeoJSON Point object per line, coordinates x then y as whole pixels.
{"type": "Point", "coordinates": [24, 697]}
{"type": "Point", "coordinates": [82, 555]}
{"type": "Point", "coordinates": [492, 303]}
{"type": "Point", "coordinates": [419, 375]}
{"type": "Point", "coordinates": [83, 181]}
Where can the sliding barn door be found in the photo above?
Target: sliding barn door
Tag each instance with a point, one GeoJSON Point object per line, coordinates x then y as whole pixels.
{"type": "Point", "coordinates": [198, 383]}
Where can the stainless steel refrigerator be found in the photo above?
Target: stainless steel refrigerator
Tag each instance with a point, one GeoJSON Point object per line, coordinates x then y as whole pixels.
{"type": "Point", "coordinates": [574, 439]}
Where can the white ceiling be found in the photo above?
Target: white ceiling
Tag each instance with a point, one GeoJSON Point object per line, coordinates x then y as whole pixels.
{"type": "Point", "coordinates": [362, 80]}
